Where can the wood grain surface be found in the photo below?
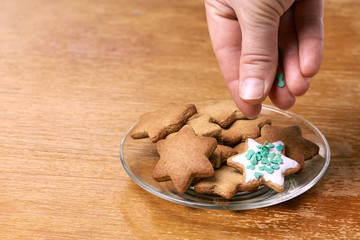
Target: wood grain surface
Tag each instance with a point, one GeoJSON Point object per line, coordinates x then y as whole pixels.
{"type": "Point", "coordinates": [75, 75]}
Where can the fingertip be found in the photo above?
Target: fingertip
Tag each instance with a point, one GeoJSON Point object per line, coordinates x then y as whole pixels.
{"type": "Point", "coordinates": [280, 93]}
{"type": "Point", "coordinates": [251, 90]}
{"type": "Point", "coordinates": [281, 97]}
{"type": "Point", "coordinates": [301, 88]}
{"type": "Point", "coordinates": [297, 84]}
{"type": "Point", "coordinates": [250, 111]}
{"type": "Point", "coordinates": [311, 52]}
{"type": "Point", "coordinates": [284, 102]}
{"type": "Point", "coordinates": [310, 66]}
{"type": "Point", "coordinates": [310, 31]}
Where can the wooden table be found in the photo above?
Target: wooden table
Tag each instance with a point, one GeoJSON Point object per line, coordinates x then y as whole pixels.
{"type": "Point", "coordinates": [75, 75]}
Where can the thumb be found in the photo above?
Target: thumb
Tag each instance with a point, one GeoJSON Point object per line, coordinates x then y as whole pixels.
{"type": "Point", "coordinates": [259, 22]}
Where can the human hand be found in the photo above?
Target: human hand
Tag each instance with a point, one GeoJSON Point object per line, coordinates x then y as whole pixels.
{"type": "Point", "coordinates": [246, 36]}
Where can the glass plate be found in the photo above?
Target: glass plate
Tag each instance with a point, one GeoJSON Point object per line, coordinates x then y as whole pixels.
{"type": "Point", "coordinates": [139, 158]}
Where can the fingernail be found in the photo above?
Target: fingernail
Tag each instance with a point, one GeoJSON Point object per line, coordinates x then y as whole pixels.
{"type": "Point", "coordinates": [252, 89]}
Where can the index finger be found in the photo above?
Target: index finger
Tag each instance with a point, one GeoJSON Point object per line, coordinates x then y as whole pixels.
{"type": "Point", "coordinates": [226, 38]}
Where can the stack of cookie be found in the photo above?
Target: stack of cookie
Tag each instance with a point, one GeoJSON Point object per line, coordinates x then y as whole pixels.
{"type": "Point", "coordinates": [218, 151]}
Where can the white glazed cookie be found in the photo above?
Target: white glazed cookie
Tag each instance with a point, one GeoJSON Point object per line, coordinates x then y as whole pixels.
{"type": "Point", "coordinates": [264, 164]}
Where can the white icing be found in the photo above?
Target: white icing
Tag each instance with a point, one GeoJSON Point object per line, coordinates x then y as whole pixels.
{"type": "Point", "coordinates": [277, 176]}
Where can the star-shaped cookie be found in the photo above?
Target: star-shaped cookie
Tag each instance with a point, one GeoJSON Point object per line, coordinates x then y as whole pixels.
{"type": "Point", "coordinates": [226, 182]}
{"type": "Point", "coordinates": [264, 164]}
{"type": "Point", "coordinates": [183, 158]}
{"type": "Point", "coordinates": [242, 129]}
{"type": "Point", "coordinates": [221, 154]}
{"type": "Point", "coordinates": [223, 112]}
{"type": "Point", "coordinates": [203, 125]}
{"type": "Point", "coordinates": [296, 146]}
{"type": "Point", "coordinates": [158, 124]}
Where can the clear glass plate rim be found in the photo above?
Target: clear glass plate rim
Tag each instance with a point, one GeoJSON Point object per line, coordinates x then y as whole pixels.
{"type": "Point", "coordinates": [235, 206]}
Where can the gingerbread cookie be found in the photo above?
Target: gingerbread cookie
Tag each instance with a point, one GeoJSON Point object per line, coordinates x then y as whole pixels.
{"type": "Point", "coordinates": [221, 154]}
{"type": "Point", "coordinates": [240, 147]}
{"type": "Point", "coordinates": [296, 146]}
{"type": "Point", "coordinates": [168, 119]}
{"type": "Point", "coordinates": [226, 182]}
{"type": "Point", "coordinates": [183, 158]}
{"type": "Point", "coordinates": [223, 112]}
{"type": "Point", "coordinates": [265, 154]}
{"type": "Point", "coordinates": [242, 129]}
{"type": "Point", "coordinates": [264, 164]}
{"type": "Point", "coordinates": [203, 125]}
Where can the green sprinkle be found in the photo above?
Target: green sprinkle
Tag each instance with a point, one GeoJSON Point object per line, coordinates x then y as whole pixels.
{"type": "Point", "coordinates": [279, 147]}
{"type": "Point", "coordinates": [280, 77]}
{"type": "Point", "coordinates": [263, 147]}
{"type": "Point", "coordinates": [271, 156]}
{"type": "Point", "coordinates": [262, 168]}
{"type": "Point", "coordinates": [279, 159]}
{"type": "Point", "coordinates": [281, 83]}
{"type": "Point", "coordinates": [274, 161]}
{"type": "Point", "coordinates": [270, 145]}
{"type": "Point", "coordinates": [253, 160]}
{"type": "Point", "coordinates": [269, 170]}
{"type": "Point", "coordinates": [249, 154]}
{"type": "Point", "coordinates": [258, 175]}
{"type": "Point", "coordinates": [267, 150]}
{"type": "Point", "coordinates": [252, 167]}
{"type": "Point", "coordinates": [265, 161]}
{"type": "Point", "coordinates": [275, 166]}
{"type": "Point", "coordinates": [258, 156]}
